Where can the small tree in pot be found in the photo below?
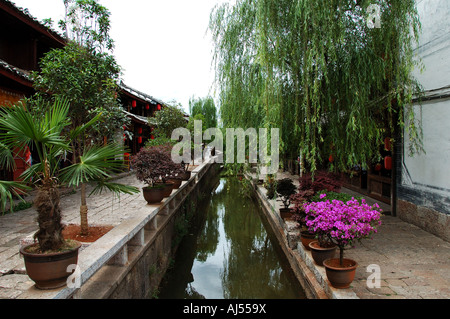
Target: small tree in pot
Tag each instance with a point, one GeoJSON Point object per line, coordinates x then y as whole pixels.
{"type": "Point", "coordinates": [285, 189]}
{"type": "Point", "coordinates": [343, 223]}
{"type": "Point", "coordinates": [152, 164]}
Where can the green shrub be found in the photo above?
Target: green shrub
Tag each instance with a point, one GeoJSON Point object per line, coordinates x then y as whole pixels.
{"type": "Point", "coordinates": [333, 196]}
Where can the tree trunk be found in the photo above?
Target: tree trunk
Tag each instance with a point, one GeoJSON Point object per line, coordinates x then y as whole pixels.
{"type": "Point", "coordinates": [83, 212]}
{"type": "Point", "coordinates": [47, 205]}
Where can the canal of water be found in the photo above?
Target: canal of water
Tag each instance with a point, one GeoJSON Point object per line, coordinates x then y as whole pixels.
{"type": "Point", "coordinates": [228, 254]}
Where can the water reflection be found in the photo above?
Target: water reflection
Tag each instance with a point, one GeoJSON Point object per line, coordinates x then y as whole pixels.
{"type": "Point", "coordinates": [229, 254]}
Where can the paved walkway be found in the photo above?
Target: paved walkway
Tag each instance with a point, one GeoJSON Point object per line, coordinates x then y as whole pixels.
{"type": "Point", "coordinates": [414, 264]}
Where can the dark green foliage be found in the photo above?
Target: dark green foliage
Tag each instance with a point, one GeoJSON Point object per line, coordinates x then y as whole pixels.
{"type": "Point", "coordinates": [87, 80]}
{"type": "Point", "coordinates": [344, 197]}
{"type": "Point", "coordinates": [167, 120]}
{"type": "Point", "coordinates": [286, 188]}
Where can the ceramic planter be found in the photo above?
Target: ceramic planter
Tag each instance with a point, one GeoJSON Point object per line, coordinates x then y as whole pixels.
{"type": "Point", "coordinates": [286, 213]}
{"type": "Point", "coordinates": [340, 276]}
{"type": "Point", "coordinates": [167, 188]}
{"type": "Point", "coordinates": [176, 183]}
{"type": "Point", "coordinates": [153, 195]}
{"type": "Point", "coordinates": [49, 271]}
{"type": "Point", "coordinates": [319, 253]}
{"type": "Point", "coordinates": [306, 237]}
{"type": "Point", "coordinates": [185, 176]}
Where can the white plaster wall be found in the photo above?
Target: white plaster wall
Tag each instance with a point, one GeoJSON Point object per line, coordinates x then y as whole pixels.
{"type": "Point", "coordinates": [434, 43]}
{"type": "Point", "coordinates": [433, 168]}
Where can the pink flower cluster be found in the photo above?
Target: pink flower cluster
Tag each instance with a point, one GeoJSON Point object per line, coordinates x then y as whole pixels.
{"type": "Point", "coordinates": [342, 223]}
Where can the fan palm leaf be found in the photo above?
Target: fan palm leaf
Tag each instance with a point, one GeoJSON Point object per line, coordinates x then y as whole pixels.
{"type": "Point", "coordinates": [9, 190]}
{"type": "Point", "coordinates": [96, 163]}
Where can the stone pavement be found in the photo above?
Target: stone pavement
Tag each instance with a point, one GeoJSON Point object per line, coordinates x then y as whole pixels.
{"type": "Point", "coordinates": [414, 264]}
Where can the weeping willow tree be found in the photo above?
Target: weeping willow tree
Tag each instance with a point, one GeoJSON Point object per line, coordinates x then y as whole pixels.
{"type": "Point", "coordinates": [320, 72]}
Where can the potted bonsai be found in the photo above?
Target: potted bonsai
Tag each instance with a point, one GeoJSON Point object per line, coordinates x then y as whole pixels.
{"type": "Point", "coordinates": [285, 189]}
{"type": "Point", "coordinates": [185, 175]}
{"type": "Point", "coordinates": [151, 164]}
{"type": "Point", "coordinates": [298, 199]}
{"type": "Point", "coordinates": [343, 223]}
{"type": "Point", "coordinates": [162, 141]}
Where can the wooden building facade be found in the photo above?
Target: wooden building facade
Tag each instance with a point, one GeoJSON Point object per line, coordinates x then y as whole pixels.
{"type": "Point", "coordinates": [23, 42]}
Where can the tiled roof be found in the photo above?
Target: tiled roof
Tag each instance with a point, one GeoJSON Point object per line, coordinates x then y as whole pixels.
{"type": "Point", "coordinates": [15, 71]}
{"type": "Point", "coordinates": [26, 14]}
{"type": "Point", "coordinates": [140, 95]}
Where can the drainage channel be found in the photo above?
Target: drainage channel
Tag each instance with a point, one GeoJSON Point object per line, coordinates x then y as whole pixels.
{"type": "Point", "coordinates": [228, 254]}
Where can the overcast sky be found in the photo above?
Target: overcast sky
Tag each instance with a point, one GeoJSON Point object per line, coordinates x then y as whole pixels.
{"type": "Point", "coordinates": [162, 45]}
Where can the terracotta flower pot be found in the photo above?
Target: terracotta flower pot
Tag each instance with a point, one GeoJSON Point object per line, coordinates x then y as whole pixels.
{"type": "Point", "coordinates": [286, 213]}
{"type": "Point", "coordinates": [176, 183]}
{"type": "Point", "coordinates": [153, 195]}
{"type": "Point", "coordinates": [185, 176]}
{"type": "Point", "coordinates": [319, 253]}
{"type": "Point", "coordinates": [49, 271]}
{"type": "Point", "coordinates": [306, 237]}
{"type": "Point", "coordinates": [340, 276]}
{"type": "Point", "coordinates": [167, 188]}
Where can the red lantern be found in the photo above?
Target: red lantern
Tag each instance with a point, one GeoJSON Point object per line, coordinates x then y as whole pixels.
{"type": "Point", "coordinates": [147, 107]}
{"type": "Point", "coordinates": [134, 103]}
{"type": "Point", "coordinates": [387, 144]}
{"type": "Point", "coordinates": [331, 158]}
{"type": "Point", "coordinates": [140, 139]}
{"type": "Point", "coordinates": [140, 130]}
{"type": "Point", "coordinates": [159, 107]}
{"type": "Point", "coordinates": [378, 167]}
{"type": "Point", "coordinates": [388, 163]}
{"type": "Point", "coordinates": [152, 137]}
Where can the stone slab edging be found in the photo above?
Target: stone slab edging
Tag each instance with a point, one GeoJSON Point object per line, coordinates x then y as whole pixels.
{"type": "Point", "coordinates": [112, 248]}
{"type": "Point", "coordinates": [311, 276]}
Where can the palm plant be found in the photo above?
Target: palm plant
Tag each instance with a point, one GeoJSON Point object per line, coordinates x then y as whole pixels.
{"type": "Point", "coordinates": [9, 189]}
{"type": "Point", "coordinates": [47, 134]}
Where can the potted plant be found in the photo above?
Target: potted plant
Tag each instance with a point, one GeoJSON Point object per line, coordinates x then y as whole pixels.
{"type": "Point", "coordinates": [285, 189]}
{"type": "Point", "coordinates": [185, 175]}
{"type": "Point", "coordinates": [151, 164]}
{"type": "Point", "coordinates": [175, 180]}
{"type": "Point", "coordinates": [271, 186]}
{"type": "Point", "coordinates": [298, 199]}
{"type": "Point", "coordinates": [342, 223]}
{"type": "Point", "coordinates": [321, 248]}
{"type": "Point", "coordinates": [46, 260]}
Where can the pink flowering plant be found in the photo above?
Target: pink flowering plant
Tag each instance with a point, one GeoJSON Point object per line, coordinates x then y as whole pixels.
{"type": "Point", "coordinates": [342, 223]}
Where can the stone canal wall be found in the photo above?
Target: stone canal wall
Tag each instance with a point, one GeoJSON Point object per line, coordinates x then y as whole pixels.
{"type": "Point", "coordinates": [288, 237]}
{"type": "Point", "coordinates": [131, 260]}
